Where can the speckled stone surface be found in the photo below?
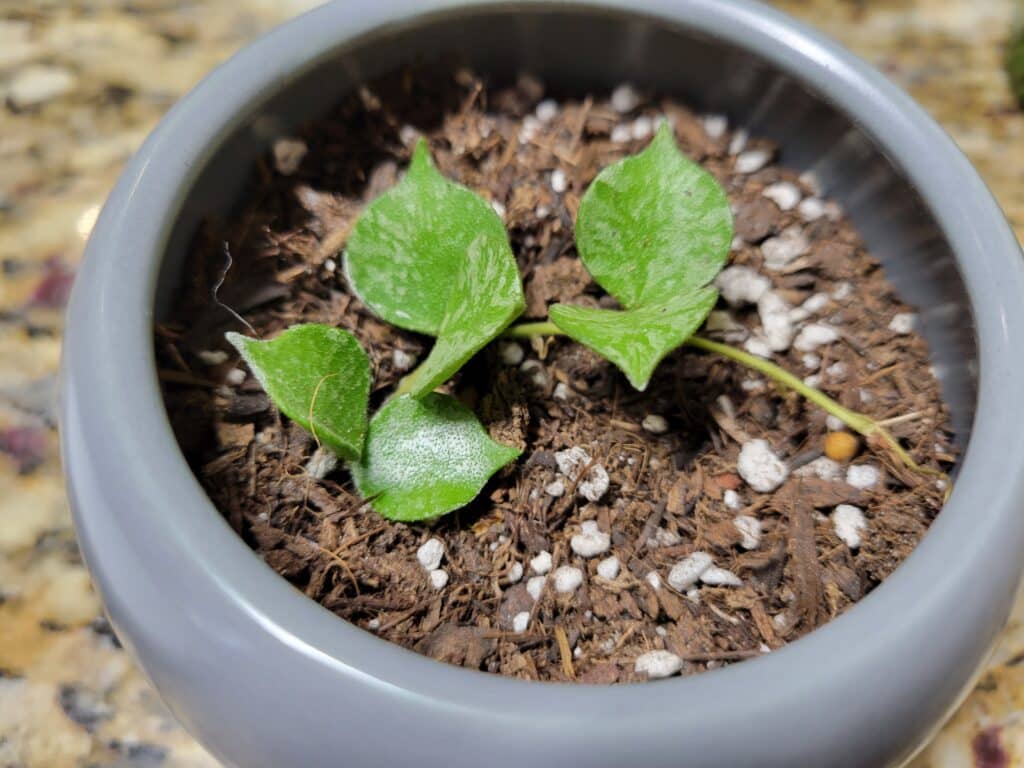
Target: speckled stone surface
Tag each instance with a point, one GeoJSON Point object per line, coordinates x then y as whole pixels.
{"type": "Point", "coordinates": [81, 83]}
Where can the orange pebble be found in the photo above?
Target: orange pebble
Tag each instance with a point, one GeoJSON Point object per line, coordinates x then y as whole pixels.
{"type": "Point", "coordinates": [841, 446]}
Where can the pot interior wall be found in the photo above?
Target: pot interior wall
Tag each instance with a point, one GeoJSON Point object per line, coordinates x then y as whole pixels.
{"type": "Point", "coordinates": [575, 50]}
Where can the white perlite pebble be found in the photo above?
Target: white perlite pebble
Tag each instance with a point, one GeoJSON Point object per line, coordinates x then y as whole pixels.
{"type": "Point", "coordinates": [572, 461]}
{"type": "Point", "coordinates": [35, 85]}
{"type": "Point", "coordinates": [811, 361]}
{"type": "Point", "coordinates": [837, 370]}
{"type": "Point", "coordinates": [778, 328]}
{"type": "Point", "coordinates": [715, 126]}
{"type": "Point", "coordinates": [687, 571]}
{"type": "Point", "coordinates": [849, 524]}
{"type": "Point", "coordinates": [738, 142]}
{"type": "Point", "coordinates": [757, 345]}
{"type": "Point", "coordinates": [213, 356]}
{"type": "Point", "coordinates": [732, 499]}
{"type": "Point", "coordinates": [834, 423]}
{"type": "Point", "coordinates": [903, 323]}
{"type": "Point", "coordinates": [719, 577]}
{"type": "Point", "coordinates": [558, 181]}
{"type": "Point", "coordinates": [321, 463]}
{"type": "Point", "coordinates": [288, 155]}
{"type": "Point", "coordinates": [752, 161]}
{"type": "Point", "coordinates": [741, 285]}
{"type": "Point", "coordinates": [862, 476]}
{"type": "Point", "coordinates": [655, 424]}
{"type": "Point", "coordinates": [783, 194]}
{"type": "Point", "coordinates": [590, 541]}
{"type": "Point", "coordinates": [641, 128]}
{"type": "Point", "coordinates": [520, 622]}
{"type": "Point", "coordinates": [760, 467]}
{"type": "Point", "coordinates": [654, 580]}
{"type": "Point", "coordinates": [811, 209]}
{"type": "Point", "coordinates": [555, 488]}
{"type": "Point", "coordinates": [842, 291]}
{"type": "Point", "coordinates": [529, 129]}
{"type": "Point", "coordinates": [330, 265]}
{"type": "Point", "coordinates": [608, 568]}
{"type": "Point", "coordinates": [750, 531]}
{"type": "Point", "coordinates": [515, 573]}
{"type": "Point", "coordinates": [499, 208]}
{"type": "Point", "coordinates": [815, 303]}
{"type": "Point", "coordinates": [535, 585]}
{"type": "Point", "coordinates": [534, 369]}
{"type": "Point", "coordinates": [546, 110]}
{"type": "Point", "coordinates": [402, 360]}
{"type": "Point", "coordinates": [510, 353]}
{"type": "Point", "coordinates": [815, 335]}
{"type": "Point", "coordinates": [235, 377]}
{"type": "Point", "coordinates": [561, 392]}
{"type": "Point", "coordinates": [430, 553]}
{"type": "Point", "coordinates": [438, 578]}
{"type": "Point", "coordinates": [407, 134]}
{"type": "Point", "coordinates": [373, 623]}
{"type": "Point", "coordinates": [788, 245]}
{"type": "Point", "coordinates": [625, 98]}
{"type": "Point", "coordinates": [753, 385]}
{"type": "Point", "coordinates": [620, 134]}
{"type": "Point", "coordinates": [541, 563]}
{"type": "Point", "coordinates": [568, 579]}
{"type": "Point", "coordinates": [822, 468]}
{"type": "Point", "coordinates": [658, 664]}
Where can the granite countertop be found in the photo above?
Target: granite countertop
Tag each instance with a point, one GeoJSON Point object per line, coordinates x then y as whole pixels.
{"type": "Point", "coordinates": [81, 84]}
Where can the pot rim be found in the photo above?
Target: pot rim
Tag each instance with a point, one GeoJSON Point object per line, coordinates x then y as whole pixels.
{"type": "Point", "coordinates": [107, 346]}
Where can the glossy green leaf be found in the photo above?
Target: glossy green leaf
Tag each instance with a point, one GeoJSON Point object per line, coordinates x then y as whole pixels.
{"type": "Point", "coordinates": [486, 296]}
{"type": "Point", "coordinates": [431, 256]}
{"type": "Point", "coordinates": [636, 340]}
{"type": "Point", "coordinates": [317, 376]}
{"type": "Point", "coordinates": [425, 458]}
{"type": "Point", "coordinates": [653, 230]}
{"type": "Point", "coordinates": [654, 226]}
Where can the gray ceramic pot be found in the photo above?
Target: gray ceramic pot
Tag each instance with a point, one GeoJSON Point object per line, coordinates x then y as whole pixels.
{"type": "Point", "coordinates": [264, 677]}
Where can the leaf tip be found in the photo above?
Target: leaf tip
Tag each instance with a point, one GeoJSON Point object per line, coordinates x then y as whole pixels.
{"type": "Point", "coordinates": [421, 159]}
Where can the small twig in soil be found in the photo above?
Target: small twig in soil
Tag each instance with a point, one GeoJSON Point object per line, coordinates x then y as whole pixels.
{"type": "Point", "coordinates": [565, 652]}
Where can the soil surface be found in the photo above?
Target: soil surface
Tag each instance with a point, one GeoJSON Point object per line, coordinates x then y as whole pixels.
{"type": "Point", "coordinates": [669, 455]}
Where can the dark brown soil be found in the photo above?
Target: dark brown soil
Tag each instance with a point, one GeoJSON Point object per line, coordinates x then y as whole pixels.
{"type": "Point", "coordinates": [666, 494]}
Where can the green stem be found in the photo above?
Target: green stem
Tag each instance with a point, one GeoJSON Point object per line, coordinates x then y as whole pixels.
{"type": "Point", "coordinates": [858, 422]}
{"type": "Point", "coordinates": [529, 330]}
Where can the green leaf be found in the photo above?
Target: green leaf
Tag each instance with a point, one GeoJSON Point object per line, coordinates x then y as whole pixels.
{"type": "Point", "coordinates": [653, 230]}
{"type": "Point", "coordinates": [431, 256]}
{"type": "Point", "coordinates": [654, 226]}
{"type": "Point", "coordinates": [636, 340]}
{"type": "Point", "coordinates": [425, 458]}
{"type": "Point", "coordinates": [317, 376]}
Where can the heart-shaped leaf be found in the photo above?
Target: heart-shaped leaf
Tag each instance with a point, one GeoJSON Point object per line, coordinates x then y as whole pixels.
{"type": "Point", "coordinates": [431, 256]}
{"type": "Point", "coordinates": [636, 340]}
{"type": "Point", "coordinates": [653, 230]}
{"type": "Point", "coordinates": [654, 226]}
{"type": "Point", "coordinates": [426, 457]}
{"type": "Point", "coordinates": [317, 376]}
